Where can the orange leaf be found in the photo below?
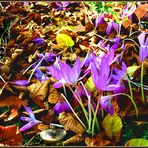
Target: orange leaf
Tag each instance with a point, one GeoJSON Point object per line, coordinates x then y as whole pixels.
{"type": "Point", "coordinates": [11, 101]}
{"type": "Point", "coordinates": [10, 136]}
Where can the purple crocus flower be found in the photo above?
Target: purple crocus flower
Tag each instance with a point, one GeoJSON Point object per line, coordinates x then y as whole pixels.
{"type": "Point", "coordinates": [106, 104]}
{"type": "Point", "coordinates": [65, 74]}
{"type": "Point", "coordinates": [40, 75]}
{"type": "Point", "coordinates": [143, 46]}
{"type": "Point", "coordinates": [49, 56]}
{"type": "Point", "coordinates": [38, 41]}
{"type": "Point", "coordinates": [128, 11]}
{"type": "Point", "coordinates": [99, 20]}
{"type": "Point", "coordinates": [21, 82]}
{"type": "Point", "coordinates": [112, 24]}
{"type": "Point", "coordinates": [62, 5]}
{"type": "Point", "coordinates": [101, 77]}
{"type": "Point", "coordinates": [119, 74]}
{"type": "Point", "coordinates": [61, 106]}
{"type": "Point", "coordinates": [31, 120]}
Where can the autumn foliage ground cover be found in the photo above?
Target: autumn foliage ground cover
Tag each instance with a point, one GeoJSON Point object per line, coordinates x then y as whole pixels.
{"type": "Point", "coordinates": [76, 69]}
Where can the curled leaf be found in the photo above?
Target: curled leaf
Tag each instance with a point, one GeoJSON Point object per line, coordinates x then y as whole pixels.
{"type": "Point", "coordinates": [70, 123]}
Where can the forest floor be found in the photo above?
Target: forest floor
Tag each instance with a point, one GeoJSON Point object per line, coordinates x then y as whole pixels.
{"type": "Point", "coordinates": [73, 73]}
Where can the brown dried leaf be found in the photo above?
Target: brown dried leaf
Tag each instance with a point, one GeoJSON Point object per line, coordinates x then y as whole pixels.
{"type": "Point", "coordinates": [11, 101]}
{"type": "Point", "coordinates": [70, 123]}
{"type": "Point", "coordinates": [10, 136]}
{"type": "Point", "coordinates": [39, 89]}
{"type": "Point", "coordinates": [13, 114]}
{"type": "Point", "coordinates": [74, 140]}
{"type": "Point", "coordinates": [97, 141]}
{"type": "Point", "coordinates": [53, 96]}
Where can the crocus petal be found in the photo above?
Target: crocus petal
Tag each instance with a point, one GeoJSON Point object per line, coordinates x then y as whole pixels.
{"type": "Point", "coordinates": [30, 113]}
{"type": "Point", "coordinates": [49, 57]}
{"type": "Point", "coordinates": [99, 20]}
{"type": "Point", "coordinates": [40, 75]}
{"type": "Point", "coordinates": [116, 39]}
{"type": "Point", "coordinates": [59, 84]}
{"type": "Point", "coordinates": [109, 27]}
{"type": "Point", "coordinates": [65, 4]}
{"type": "Point", "coordinates": [27, 119]}
{"type": "Point", "coordinates": [59, 4]}
{"type": "Point", "coordinates": [111, 87]}
{"type": "Point", "coordinates": [61, 106]}
{"type": "Point", "coordinates": [21, 82]}
{"type": "Point", "coordinates": [39, 41]}
{"type": "Point", "coordinates": [115, 26]}
{"type": "Point", "coordinates": [132, 10]}
{"type": "Point", "coordinates": [29, 125]}
{"type": "Point", "coordinates": [105, 103]}
{"type": "Point", "coordinates": [77, 69]}
{"type": "Point", "coordinates": [143, 53]}
{"type": "Point", "coordinates": [141, 38]}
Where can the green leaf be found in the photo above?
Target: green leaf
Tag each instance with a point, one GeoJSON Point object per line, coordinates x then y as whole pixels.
{"type": "Point", "coordinates": [137, 142]}
{"type": "Point", "coordinates": [131, 70]}
{"type": "Point", "coordinates": [90, 84]}
{"type": "Point", "coordinates": [113, 126]}
{"type": "Point", "coordinates": [63, 40]}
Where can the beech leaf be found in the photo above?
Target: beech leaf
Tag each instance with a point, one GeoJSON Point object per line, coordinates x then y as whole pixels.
{"type": "Point", "coordinates": [63, 40]}
{"type": "Point", "coordinates": [137, 142]}
{"type": "Point", "coordinates": [70, 123]}
{"type": "Point", "coordinates": [112, 126]}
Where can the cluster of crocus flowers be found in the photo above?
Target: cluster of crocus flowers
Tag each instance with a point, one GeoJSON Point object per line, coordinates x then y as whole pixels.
{"type": "Point", "coordinates": [65, 74]}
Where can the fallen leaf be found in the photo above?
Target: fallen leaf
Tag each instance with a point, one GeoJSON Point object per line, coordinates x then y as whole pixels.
{"type": "Point", "coordinates": [70, 123]}
{"type": "Point", "coordinates": [112, 126]}
{"type": "Point", "coordinates": [63, 40]}
{"type": "Point", "coordinates": [39, 89]}
{"type": "Point", "coordinates": [137, 142]}
{"type": "Point", "coordinates": [97, 141]}
{"type": "Point", "coordinates": [11, 101]}
{"type": "Point", "coordinates": [141, 10]}
{"type": "Point", "coordinates": [74, 139]}
{"type": "Point", "coordinates": [13, 114]}
{"type": "Point", "coordinates": [53, 96]}
{"type": "Point", "coordinates": [9, 135]}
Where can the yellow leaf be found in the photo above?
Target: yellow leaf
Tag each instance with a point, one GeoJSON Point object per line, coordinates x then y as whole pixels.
{"type": "Point", "coordinates": [137, 142]}
{"type": "Point", "coordinates": [90, 84]}
{"type": "Point", "coordinates": [131, 70]}
{"type": "Point", "coordinates": [63, 40]}
{"type": "Point", "coordinates": [112, 126]}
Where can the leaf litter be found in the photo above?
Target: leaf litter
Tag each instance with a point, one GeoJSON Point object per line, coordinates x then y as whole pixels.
{"type": "Point", "coordinates": [75, 67]}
